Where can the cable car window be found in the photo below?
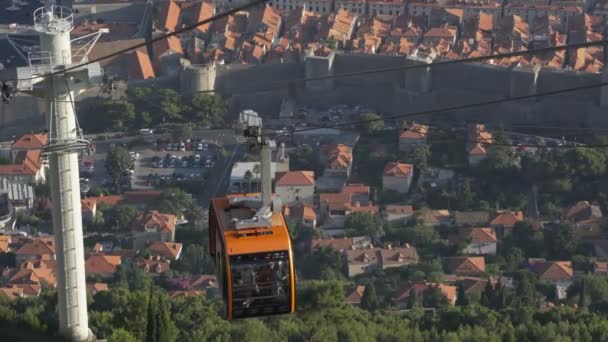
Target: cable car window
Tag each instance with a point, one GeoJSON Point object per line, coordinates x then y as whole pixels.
{"type": "Point", "coordinates": [261, 284]}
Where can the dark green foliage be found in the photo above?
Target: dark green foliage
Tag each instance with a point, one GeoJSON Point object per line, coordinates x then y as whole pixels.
{"type": "Point", "coordinates": [461, 296]}
{"type": "Point", "coordinates": [432, 297]}
{"type": "Point", "coordinates": [207, 110]}
{"type": "Point", "coordinates": [560, 241]}
{"type": "Point", "coordinates": [182, 132]}
{"type": "Point", "coordinates": [371, 123]}
{"type": "Point", "coordinates": [159, 325]}
{"type": "Point", "coordinates": [370, 301]}
{"type": "Point", "coordinates": [117, 161]}
{"type": "Point", "coordinates": [304, 158]}
{"type": "Point", "coordinates": [364, 224]}
{"type": "Point", "coordinates": [323, 263]}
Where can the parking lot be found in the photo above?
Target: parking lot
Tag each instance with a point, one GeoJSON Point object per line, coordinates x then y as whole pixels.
{"type": "Point", "coordinates": [151, 159]}
{"type": "Point", "coordinates": [177, 160]}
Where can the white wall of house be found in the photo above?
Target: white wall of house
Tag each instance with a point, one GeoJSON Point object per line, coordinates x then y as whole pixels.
{"type": "Point", "coordinates": [397, 218]}
{"type": "Point", "coordinates": [400, 184]}
{"type": "Point", "coordinates": [360, 268]}
{"type": "Point", "coordinates": [295, 194]}
{"type": "Point", "coordinates": [480, 249]}
{"type": "Point", "coordinates": [408, 144]}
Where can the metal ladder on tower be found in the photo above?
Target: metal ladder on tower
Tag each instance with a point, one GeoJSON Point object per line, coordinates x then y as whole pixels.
{"type": "Point", "coordinates": [66, 206]}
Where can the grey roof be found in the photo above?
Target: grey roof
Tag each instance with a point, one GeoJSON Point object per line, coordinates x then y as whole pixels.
{"type": "Point", "coordinates": [16, 192]}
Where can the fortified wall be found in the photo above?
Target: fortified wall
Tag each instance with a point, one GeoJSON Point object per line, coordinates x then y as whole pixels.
{"type": "Point", "coordinates": [262, 87]}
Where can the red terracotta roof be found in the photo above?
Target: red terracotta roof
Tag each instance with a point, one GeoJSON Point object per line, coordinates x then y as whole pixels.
{"type": "Point", "coordinates": [581, 211]}
{"type": "Point", "coordinates": [111, 200]}
{"type": "Point", "coordinates": [507, 219]}
{"type": "Point", "coordinates": [162, 222]}
{"type": "Point", "coordinates": [340, 244]}
{"type": "Point", "coordinates": [414, 131]}
{"type": "Point", "coordinates": [12, 292]}
{"type": "Point", "coordinates": [97, 287]}
{"type": "Point", "coordinates": [36, 247]}
{"type": "Point", "coordinates": [600, 267]}
{"type": "Point", "coordinates": [203, 281]}
{"type": "Point", "coordinates": [467, 265]}
{"type": "Point", "coordinates": [482, 235]}
{"type": "Point", "coordinates": [30, 142]}
{"type": "Point", "coordinates": [355, 295]}
{"type": "Point", "coordinates": [397, 169]}
{"type": "Point", "coordinates": [166, 250]}
{"type": "Point", "coordinates": [344, 199]}
{"type": "Point", "coordinates": [553, 270]}
{"type": "Point", "coordinates": [296, 178]}
{"type": "Point", "coordinates": [169, 17]}
{"type": "Point", "coordinates": [398, 255]}
{"type": "Point", "coordinates": [404, 292]}
{"type": "Point", "coordinates": [156, 264]}
{"type": "Point", "coordinates": [101, 264]}
{"type": "Point", "coordinates": [361, 256]}
{"type": "Point", "coordinates": [205, 11]}
{"type": "Point", "coordinates": [140, 66]}
{"type": "Point", "coordinates": [172, 44]}
{"type": "Point", "coordinates": [399, 209]}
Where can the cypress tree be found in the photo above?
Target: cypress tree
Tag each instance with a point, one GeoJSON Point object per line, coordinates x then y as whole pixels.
{"type": "Point", "coordinates": [582, 301]}
{"type": "Point", "coordinates": [461, 296]}
{"type": "Point", "coordinates": [412, 300]}
{"type": "Point", "coordinates": [370, 298]}
{"type": "Point", "coordinates": [151, 323]}
{"type": "Point", "coordinates": [487, 295]}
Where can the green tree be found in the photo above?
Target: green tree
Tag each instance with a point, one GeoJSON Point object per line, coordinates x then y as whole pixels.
{"type": "Point", "coordinates": [208, 109]}
{"type": "Point", "coordinates": [360, 223]}
{"type": "Point", "coordinates": [419, 156]}
{"type": "Point", "coordinates": [256, 171]}
{"type": "Point", "coordinates": [194, 260]}
{"type": "Point", "coordinates": [528, 239]}
{"type": "Point", "coordinates": [178, 202]}
{"type": "Point", "coordinates": [487, 295]}
{"type": "Point", "coordinates": [586, 162]}
{"type": "Point", "coordinates": [372, 123]}
{"type": "Point", "coordinates": [119, 217]}
{"type": "Point", "coordinates": [248, 177]}
{"type": "Point", "coordinates": [170, 104]}
{"type": "Point", "coordinates": [4, 161]}
{"type": "Point", "coordinates": [560, 241]}
{"type": "Point", "coordinates": [433, 297]}
{"type": "Point", "coordinates": [159, 327]}
{"type": "Point", "coordinates": [182, 132]}
{"type": "Point", "coordinates": [412, 300]}
{"type": "Point", "coordinates": [121, 335]}
{"type": "Point", "coordinates": [461, 296]}
{"type": "Point", "coordinates": [145, 119]}
{"type": "Point", "coordinates": [303, 158]}
{"type": "Point", "coordinates": [323, 263]}
{"type": "Point", "coordinates": [370, 300]}
{"type": "Point", "coordinates": [582, 296]}
{"type": "Point", "coordinates": [117, 161]}
{"type": "Point", "coordinates": [117, 115]}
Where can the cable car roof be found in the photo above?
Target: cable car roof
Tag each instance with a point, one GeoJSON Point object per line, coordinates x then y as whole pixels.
{"type": "Point", "coordinates": [253, 240]}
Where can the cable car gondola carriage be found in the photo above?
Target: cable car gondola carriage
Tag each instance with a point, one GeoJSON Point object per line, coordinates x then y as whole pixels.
{"type": "Point", "coordinates": [250, 245]}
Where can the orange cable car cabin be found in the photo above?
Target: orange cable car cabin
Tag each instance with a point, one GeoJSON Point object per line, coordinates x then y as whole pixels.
{"type": "Point", "coordinates": [253, 258]}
